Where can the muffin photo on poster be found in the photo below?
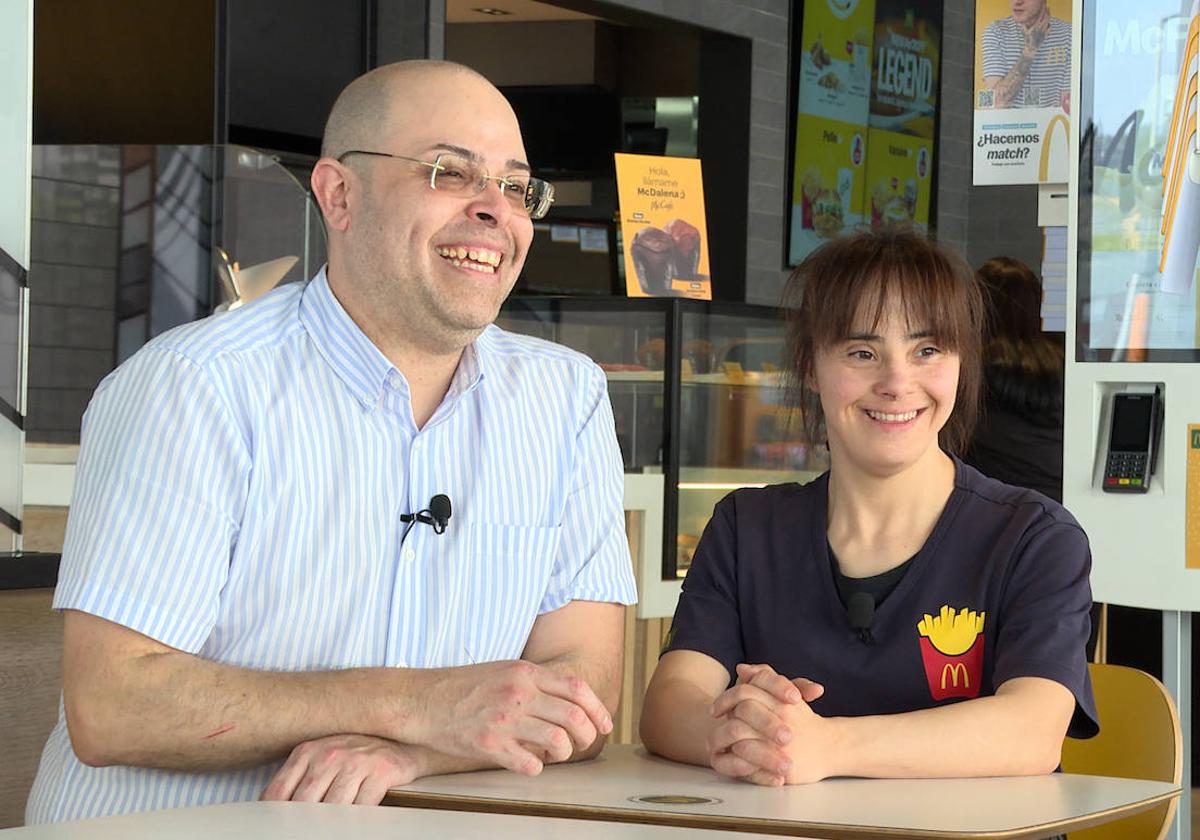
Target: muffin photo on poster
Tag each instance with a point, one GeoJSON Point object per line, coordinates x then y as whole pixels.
{"type": "Point", "coordinates": [664, 238]}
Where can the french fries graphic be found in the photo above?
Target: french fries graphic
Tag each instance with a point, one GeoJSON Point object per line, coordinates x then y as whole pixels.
{"type": "Point", "coordinates": [950, 632]}
{"type": "Point", "coordinates": [952, 651]}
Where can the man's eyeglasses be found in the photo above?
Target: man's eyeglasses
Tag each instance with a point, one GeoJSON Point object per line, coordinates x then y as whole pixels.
{"type": "Point", "coordinates": [457, 175]}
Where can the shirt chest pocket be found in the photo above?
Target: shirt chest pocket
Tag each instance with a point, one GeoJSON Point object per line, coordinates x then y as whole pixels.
{"type": "Point", "coordinates": [510, 570]}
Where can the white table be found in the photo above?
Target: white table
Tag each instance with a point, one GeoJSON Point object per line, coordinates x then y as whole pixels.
{"type": "Point", "coordinates": [306, 821]}
{"type": "Point", "coordinates": [610, 789]}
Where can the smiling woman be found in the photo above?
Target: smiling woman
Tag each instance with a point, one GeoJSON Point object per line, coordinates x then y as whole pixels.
{"type": "Point", "coordinates": [854, 286]}
{"type": "Point", "coordinates": [902, 615]}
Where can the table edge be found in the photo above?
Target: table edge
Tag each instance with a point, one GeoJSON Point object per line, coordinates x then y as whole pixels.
{"type": "Point", "coordinates": [398, 797]}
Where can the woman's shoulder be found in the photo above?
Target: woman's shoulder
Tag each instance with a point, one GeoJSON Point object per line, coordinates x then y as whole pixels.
{"type": "Point", "coordinates": [768, 499]}
{"type": "Point", "coordinates": [1007, 501]}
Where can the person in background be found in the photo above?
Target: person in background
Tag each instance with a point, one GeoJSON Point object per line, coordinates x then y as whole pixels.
{"type": "Point", "coordinates": [1019, 437]}
{"type": "Point", "coordinates": [902, 615]}
{"type": "Point", "coordinates": [247, 611]}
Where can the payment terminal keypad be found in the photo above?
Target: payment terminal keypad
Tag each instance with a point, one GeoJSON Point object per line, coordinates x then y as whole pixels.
{"type": "Point", "coordinates": [1126, 472]}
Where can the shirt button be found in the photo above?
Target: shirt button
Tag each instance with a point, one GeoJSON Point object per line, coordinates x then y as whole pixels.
{"type": "Point", "coordinates": [409, 554]}
{"type": "Point", "coordinates": [417, 445]}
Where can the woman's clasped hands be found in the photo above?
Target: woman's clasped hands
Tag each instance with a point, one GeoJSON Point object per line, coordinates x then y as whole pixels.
{"type": "Point", "coordinates": [767, 734]}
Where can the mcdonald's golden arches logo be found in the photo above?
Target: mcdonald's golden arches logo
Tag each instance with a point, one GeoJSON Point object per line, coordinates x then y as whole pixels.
{"type": "Point", "coordinates": [954, 670]}
{"type": "Point", "coordinates": [1048, 141]}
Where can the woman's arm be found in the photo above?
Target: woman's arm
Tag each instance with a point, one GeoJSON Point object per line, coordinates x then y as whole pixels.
{"type": "Point", "coordinates": [1018, 731]}
{"type": "Point", "coordinates": [677, 711]}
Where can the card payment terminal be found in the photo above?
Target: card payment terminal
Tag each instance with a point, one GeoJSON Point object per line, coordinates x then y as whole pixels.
{"type": "Point", "coordinates": [1131, 442]}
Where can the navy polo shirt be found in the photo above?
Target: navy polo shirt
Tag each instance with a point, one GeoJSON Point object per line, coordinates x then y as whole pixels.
{"type": "Point", "coordinates": [999, 590]}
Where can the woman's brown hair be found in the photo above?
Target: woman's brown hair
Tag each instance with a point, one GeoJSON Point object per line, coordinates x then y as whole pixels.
{"type": "Point", "coordinates": [835, 286]}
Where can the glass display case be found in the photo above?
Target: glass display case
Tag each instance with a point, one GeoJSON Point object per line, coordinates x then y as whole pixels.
{"type": "Point", "coordinates": [698, 393]}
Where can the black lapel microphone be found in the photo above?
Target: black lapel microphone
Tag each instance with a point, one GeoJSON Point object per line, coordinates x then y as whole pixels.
{"type": "Point", "coordinates": [861, 610]}
{"type": "Point", "coordinates": [436, 515]}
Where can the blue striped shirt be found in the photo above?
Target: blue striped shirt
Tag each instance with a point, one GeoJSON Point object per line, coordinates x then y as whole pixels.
{"type": "Point", "coordinates": [238, 496]}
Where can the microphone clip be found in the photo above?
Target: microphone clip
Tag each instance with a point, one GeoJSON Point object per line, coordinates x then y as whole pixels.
{"type": "Point", "coordinates": [437, 515]}
{"type": "Point", "coordinates": [860, 610]}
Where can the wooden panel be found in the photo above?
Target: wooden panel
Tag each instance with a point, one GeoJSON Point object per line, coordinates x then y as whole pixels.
{"type": "Point", "coordinates": [643, 641]}
{"type": "Point", "coordinates": [30, 682]}
{"type": "Point", "coordinates": [44, 528]}
{"type": "Point", "coordinates": [625, 723]}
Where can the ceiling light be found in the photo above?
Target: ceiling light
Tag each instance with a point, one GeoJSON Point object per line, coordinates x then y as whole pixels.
{"type": "Point", "coordinates": [489, 10]}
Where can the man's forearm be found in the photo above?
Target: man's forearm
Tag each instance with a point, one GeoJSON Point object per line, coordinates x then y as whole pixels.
{"type": "Point", "coordinates": [606, 685]}
{"type": "Point", "coordinates": [176, 711]}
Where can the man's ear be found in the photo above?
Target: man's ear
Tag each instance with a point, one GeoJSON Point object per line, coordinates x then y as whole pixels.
{"type": "Point", "coordinates": [331, 187]}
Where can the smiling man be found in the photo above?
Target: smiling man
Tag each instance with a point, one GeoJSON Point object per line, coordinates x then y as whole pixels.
{"type": "Point", "coordinates": [251, 609]}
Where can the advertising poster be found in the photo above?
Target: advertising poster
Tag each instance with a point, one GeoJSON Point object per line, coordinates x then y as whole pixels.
{"type": "Point", "coordinates": [1139, 238]}
{"type": "Point", "coordinates": [1022, 91]}
{"type": "Point", "coordinates": [663, 234]}
{"type": "Point", "coordinates": [827, 186]}
{"type": "Point", "coordinates": [898, 179]}
{"type": "Point", "coordinates": [835, 59]}
{"type": "Point", "coordinates": [904, 76]}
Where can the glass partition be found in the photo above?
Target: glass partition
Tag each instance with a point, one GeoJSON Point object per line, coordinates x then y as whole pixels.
{"type": "Point", "coordinates": [12, 336]}
{"type": "Point", "coordinates": [697, 390]}
{"type": "Point", "coordinates": [738, 429]}
{"type": "Point", "coordinates": [630, 345]}
{"type": "Point", "coordinates": [130, 241]}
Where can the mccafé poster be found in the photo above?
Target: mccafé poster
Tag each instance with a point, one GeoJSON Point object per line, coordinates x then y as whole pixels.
{"type": "Point", "coordinates": [905, 67]}
{"type": "Point", "coordinates": [827, 189]}
{"type": "Point", "coordinates": [1022, 92]}
{"type": "Point", "coordinates": [663, 233]}
{"type": "Point", "coordinates": [835, 59]}
{"type": "Point", "coordinates": [898, 178]}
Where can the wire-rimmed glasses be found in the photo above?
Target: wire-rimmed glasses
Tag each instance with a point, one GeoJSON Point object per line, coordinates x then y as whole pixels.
{"type": "Point", "coordinates": [457, 175]}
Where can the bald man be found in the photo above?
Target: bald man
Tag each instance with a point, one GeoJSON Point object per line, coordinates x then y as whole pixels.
{"type": "Point", "coordinates": [251, 608]}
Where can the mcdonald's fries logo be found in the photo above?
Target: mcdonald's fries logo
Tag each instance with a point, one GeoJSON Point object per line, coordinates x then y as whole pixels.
{"type": "Point", "coordinates": [952, 651]}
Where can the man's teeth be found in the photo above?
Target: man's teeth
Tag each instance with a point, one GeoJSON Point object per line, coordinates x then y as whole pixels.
{"type": "Point", "coordinates": [892, 418]}
{"type": "Point", "coordinates": [479, 259]}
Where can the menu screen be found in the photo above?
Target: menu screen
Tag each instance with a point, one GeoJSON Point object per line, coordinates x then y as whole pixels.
{"type": "Point", "coordinates": [866, 106]}
{"type": "Point", "coordinates": [1139, 196]}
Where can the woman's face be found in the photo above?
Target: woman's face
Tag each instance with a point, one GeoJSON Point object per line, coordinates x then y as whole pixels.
{"type": "Point", "coordinates": [886, 392]}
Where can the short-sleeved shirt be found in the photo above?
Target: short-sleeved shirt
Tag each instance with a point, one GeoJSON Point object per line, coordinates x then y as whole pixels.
{"type": "Point", "coordinates": [999, 590]}
{"type": "Point", "coordinates": [239, 492]}
{"type": "Point", "coordinates": [1049, 75]}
